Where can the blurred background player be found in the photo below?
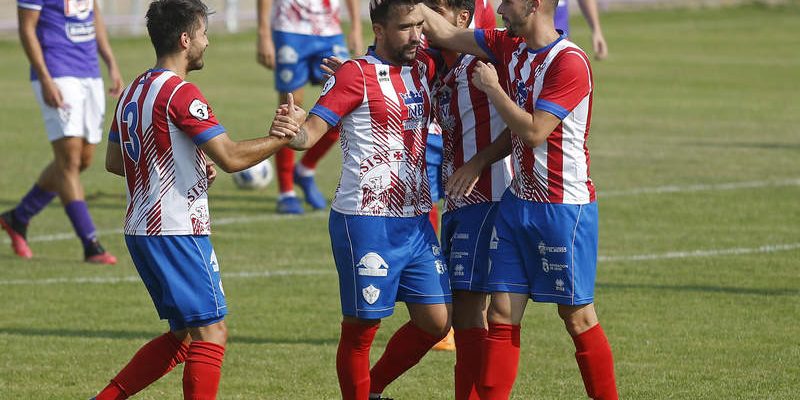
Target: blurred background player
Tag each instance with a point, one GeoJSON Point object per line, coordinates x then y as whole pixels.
{"type": "Point", "coordinates": [162, 133]}
{"type": "Point", "coordinates": [292, 40]}
{"type": "Point", "coordinates": [544, 242]}
{"type": "Point", "coordinates": [476, 172]}
{"type": "Point", "coordinates": [589, 11]}
{"type": "Point", "coordinates": [482, 18]}
{"type": "Point", "coordinates": [384, 246]}
{"type": "Point", "coordinates": [61, 40]}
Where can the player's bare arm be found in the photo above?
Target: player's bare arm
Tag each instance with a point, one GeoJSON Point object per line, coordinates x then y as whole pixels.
{"type": "Point", "coordinates": [28, 19]}
{"type": "Point", "coordinates": [355, 39]}
{"type": "Point", "coordinates": [589, 11]}
{"type": "Point", "coordinates": [234, 156]}
{"type": "Point", "coordinates": [442, 34]}
{"type": "Point", "coordinates": [265, 48]}
{"type": "Point", "coordinates": [114, 163]}
{"type": "Point", "coordinates": [104, 48]}
{"type": "Point", "coordinates": [534, 128]}
{"type": "Point", "coordinates": [310, 132]}
{"type": "Point", "coordinates": [463, 180]}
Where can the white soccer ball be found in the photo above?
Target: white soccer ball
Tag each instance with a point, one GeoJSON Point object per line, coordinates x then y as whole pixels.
{"type": "Point", "coordinates": [256, 177]}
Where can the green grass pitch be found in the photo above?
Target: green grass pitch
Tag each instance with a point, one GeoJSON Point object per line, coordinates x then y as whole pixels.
{"type": "Point", "coordinates": [695, 148]}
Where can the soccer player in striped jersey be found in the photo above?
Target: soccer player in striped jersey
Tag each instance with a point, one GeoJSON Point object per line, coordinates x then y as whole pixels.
{"type": "Point", "coordinates": [384, 246]}
{"type": "Point", "coordinates": [476, 171]}
{"type": "Point", "coordinates": [544, 242]}
{"type": "Point", "coordinates": [160, 140]}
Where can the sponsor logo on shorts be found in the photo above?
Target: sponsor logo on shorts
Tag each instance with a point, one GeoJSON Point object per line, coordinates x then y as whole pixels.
{"type": "Point", "coordinates": [458, 270]}
{"type": "Point", "coordinates": [213, 261]}
{"type": "Point", "coordinates": [548, 266]}
{"type": "Point", "coordinates": [436, 250]}
{"type": "Point", "coordinates": [441, 268]}
{"type": "Point", "coordinates": [459, 254]}
{"type": "Point", "coordinates": [559, 285]}
{"type": "Point", "coordinates": [287, 55]}
{"type": "Point", "coordinates": [371, 294]}
{"type": "Point", "coordinates": [461, 236]}
{"type": "Point", "coordinates": [286, 75]}
{"type": "Point", "coordinates": [544, 248]}
{"type": "Point", "coordinates": [372, 264]}
{"type": "Point", "coordinates": [494, 241]}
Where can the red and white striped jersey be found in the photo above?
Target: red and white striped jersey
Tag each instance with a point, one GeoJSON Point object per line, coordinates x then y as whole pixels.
{"type": "Point", "coordinates": [382, 112]}
{"type": "Point", "coordinates": [556, 79]}
{"type": "Point", "coordinates": [469, 124]}
{"type": "Point", "coordinates": [307, 17]}
{"type": "Point", "coordinates": [160, 121]}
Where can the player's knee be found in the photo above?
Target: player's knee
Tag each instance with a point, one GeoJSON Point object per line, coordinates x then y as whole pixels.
{"type": "Point", "coordinates": [577, 319]}
{"type": "Point", "coordinates": [86, 162]}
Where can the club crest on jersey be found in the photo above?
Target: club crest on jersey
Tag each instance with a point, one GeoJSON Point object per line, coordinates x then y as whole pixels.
{"type": "Point", "coordinates": [444, 116]}
{"type": "Point", "coordinates": [371, 294]}
{"type": "Point", "coordinates": [201, 222]}
{"type": "Point", "coordinates": [79, 9]}
{"type": "Point", "coordinates": [522, 92]}
{"type": "Point", "coordinates": [198, 109]}
{"type": "Point", "coordinates": [372, 264]}
{"type": "Point", "coordinates": [377, 175]}
{"type": "Point", "coordinates": [328, 86]}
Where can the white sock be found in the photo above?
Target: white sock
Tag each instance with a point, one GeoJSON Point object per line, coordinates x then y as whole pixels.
{"type": "Point", "coordinates": [303, 171]}
{"type": "Point", "coordinates": [284, 195]}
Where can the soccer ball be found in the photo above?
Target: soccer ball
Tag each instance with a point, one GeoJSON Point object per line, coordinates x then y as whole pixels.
{"type": "Point", "coordinates": [256, 177]}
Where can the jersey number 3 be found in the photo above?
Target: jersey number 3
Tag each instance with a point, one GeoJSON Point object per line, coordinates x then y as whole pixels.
{"type": "Point", "coordinates": [130, 119]}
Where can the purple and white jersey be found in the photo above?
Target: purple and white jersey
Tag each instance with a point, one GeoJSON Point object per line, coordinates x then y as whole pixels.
{"type": "Point", "coordinates": [66, 33]}
{"type": "Point", "coordinates": [562, 16]}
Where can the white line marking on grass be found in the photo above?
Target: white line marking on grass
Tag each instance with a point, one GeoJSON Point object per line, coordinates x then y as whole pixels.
{"type": "Point", "coordinates": [136, 279]}
{"type": "Point", "coordinates": [770, 248]}
{"type": "Point", "coordinates": [700, 187]}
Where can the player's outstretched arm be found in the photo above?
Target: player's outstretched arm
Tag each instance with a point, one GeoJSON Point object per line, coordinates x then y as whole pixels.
{"type": "Point", "coordinates": [234, 156]}
{"type": "Point", "coordinates": [114, 163]}
{"type": "Point", "coordinates": [463, 180]}
{"type": "Point", "coordinates": [442, 34]}
{"type": "Point", "coordinates": [534, 128]}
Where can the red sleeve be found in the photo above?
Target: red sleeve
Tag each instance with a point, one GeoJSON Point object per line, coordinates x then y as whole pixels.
{"type": "Point", "coordinates": [496, 43]}
{"type": "Point", "coordinates": [190, 112]}
{"type": "Point", "coordinates": [567, 82]}
{"type": "Point", "coordinates": [341, 94]}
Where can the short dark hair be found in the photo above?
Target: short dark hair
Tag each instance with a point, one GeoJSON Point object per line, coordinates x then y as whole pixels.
{"type": "Point", "coordinates": [168, 19]}
{"type": "Point", "coordinates": [455, 5]}
{"type": "Point", "coordinates": [379, 10]}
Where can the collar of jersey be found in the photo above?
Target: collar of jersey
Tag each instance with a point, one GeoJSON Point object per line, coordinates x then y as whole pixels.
{"type": "Point", "coordinates": [561, 37]}
{"type": "Point", "coordinates": [157, 70]}
{"type": "Point", "coordinates": [371, 52]}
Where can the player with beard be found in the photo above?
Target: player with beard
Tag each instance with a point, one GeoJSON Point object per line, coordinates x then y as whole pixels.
{"type": "Point", "coordinates": [162, 133]}
{"type": "Point", "coordinates": [544, 243]}
{"type": "Point", "coordinates": [384, 246]}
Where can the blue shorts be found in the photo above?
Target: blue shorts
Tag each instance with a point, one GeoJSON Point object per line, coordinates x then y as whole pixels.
{"type": "Point", "coordinates": [433, 160]}
{"type": "Point", "coordinates": [382, 260]}
{"type": "Point", "coordinates": [182, 275]}
{"type": "Point", "coordinates": [548, 251]}
{"type": "Point", "coordinates": [465, 244]}
{"type": "Point", "coordinates": [297, 58]}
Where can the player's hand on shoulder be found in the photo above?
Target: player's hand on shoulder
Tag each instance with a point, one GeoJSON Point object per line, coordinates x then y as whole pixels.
{"type": "Point", "coordinates": [330, 65]}
{"type": "Point", "coordinates": [484, 76]}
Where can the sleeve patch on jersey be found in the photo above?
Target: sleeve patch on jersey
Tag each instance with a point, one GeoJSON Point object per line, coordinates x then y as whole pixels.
{"type": "Point", "coordinates": [328, 86]}
{"type": "Point", "coordinates": [198, 109]}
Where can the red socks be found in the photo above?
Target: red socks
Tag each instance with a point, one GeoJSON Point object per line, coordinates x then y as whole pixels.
{"type": "Point", "coordinates": [404, 350]}
{"type": "Point", "coordinates": [469, 358]}
{"type": "Point", "coordinates": [352, 360]}
{"type": "Point", "coordinates": [316, 152]}
{"type": "Point", "coordinates": [154, 360]}
{"type": "Point", "coordinates": [500, 361]}
{"type": "Point", "coordinates": [596, 363]}
{"type": "Point", "coordinates": [202, 371]}
{"type": "Point", "coordinates": [284, 164]}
